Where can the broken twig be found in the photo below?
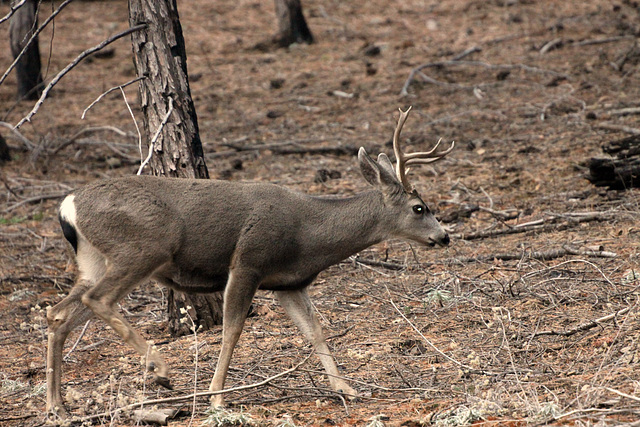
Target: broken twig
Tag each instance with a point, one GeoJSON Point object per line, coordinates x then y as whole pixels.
{"type": "Point", "coordinates": [584, 326]}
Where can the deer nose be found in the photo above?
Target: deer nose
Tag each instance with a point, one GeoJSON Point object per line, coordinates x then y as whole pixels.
{"type": "Point", "coordinates": [445, 240]}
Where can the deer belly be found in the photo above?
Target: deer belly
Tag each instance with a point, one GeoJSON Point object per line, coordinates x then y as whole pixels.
{"type": "Point", "coordinates": [286, 282]}
{"type": "Point", "coordinates": [193, 281]}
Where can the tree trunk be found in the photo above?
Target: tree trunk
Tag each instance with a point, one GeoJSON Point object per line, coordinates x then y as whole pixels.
{"type": "Point", "coordinates": [22, 25]}
{"type": "Point", "coordinates": [160, 55]}
{"type": "Point", "coordinates": [292, 27]}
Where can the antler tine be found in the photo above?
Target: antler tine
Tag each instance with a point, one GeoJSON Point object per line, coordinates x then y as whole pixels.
{"type": "Point", "coordinates": [423, 157]}
{"type": "Point", "coordinates": [400, 156]}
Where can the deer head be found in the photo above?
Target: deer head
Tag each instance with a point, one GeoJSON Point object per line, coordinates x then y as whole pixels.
{"type": "Point", "coordinates": [412, 216]}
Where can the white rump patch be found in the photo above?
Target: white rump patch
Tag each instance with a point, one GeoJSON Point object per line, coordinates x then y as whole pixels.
{"type": "Point", "coordinates": [68, 210]}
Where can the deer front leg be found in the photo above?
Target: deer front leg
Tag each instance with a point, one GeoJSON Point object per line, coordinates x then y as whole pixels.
{"type": "Point", "coordinates": [300, 309]}
{"type": "Point", "coordinates": [241, 287]}
{"type": "Point", "coordinates": [62, 318]}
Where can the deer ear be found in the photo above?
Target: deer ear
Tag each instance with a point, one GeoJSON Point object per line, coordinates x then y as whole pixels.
{"type": "Point", "coordinates": [385, 163]}
{"type": "Point", "coordinates": [374, 173]}
{"type": "Point", "coordinates": [368, 167]}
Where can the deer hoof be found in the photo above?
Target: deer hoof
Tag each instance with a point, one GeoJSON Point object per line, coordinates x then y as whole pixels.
{"type": "Point", "coordinates": [57, 413]}
{"type": "Point", "coordinates": [217, 403]}
{"type": "Point", "coordinates": [164, 382]}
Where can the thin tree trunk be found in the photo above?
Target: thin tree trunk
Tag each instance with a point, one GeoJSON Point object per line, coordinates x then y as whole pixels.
{"type": "Point", "coordinates": [22, 25]}
{"type": "Point", "coordinates": [159, 54]}
{"type": "Point", "coordinates": [292, 27]}
{"type": "Point", "coordinates": [5, 155]}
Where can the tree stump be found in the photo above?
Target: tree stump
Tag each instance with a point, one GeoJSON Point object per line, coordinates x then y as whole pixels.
{"type": "Point", "coordinates": [292, 27]}
{"type": "Point", "coordinates": [620, 171]}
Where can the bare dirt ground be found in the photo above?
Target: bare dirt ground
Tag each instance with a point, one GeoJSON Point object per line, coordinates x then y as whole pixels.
{"type": "Point", "coordinates": [533, 327]}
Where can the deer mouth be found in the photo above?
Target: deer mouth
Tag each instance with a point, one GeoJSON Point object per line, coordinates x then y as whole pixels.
{"type": "Point", "coordinates": [444, 242]}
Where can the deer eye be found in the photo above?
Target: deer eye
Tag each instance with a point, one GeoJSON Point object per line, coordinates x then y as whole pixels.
{"type": "Point", "coordinates": [418, 209]}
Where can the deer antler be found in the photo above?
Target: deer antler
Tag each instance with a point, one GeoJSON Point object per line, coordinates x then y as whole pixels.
{"type": "Point", "coordinates": [403, 160]}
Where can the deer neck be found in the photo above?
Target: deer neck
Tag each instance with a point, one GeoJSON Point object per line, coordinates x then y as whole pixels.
{"type": "Point", "coordinates": [348, 225]}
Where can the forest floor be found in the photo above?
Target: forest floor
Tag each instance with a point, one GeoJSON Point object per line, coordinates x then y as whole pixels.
{"type": "Point", "coordinates": [529, 317]}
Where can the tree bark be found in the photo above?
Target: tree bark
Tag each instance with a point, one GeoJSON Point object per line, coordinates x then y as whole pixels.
{"type": "Point", "coordinates": [160, 56]}
{"type": "Point", "coordinates": [21, 27]}
{"type": "Point", "coordinates": [292, 27]}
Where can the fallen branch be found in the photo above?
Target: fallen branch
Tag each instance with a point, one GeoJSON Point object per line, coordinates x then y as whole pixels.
{"type": "Point", "coordinates": [584, 326]}
{"type": "Point", "coordinates": [466, 53]}
{"type": "Point", "coordinates": [155, 416]}
{"type": "Point", "coordinates": [336, 150]}
{"type": "Point", "coordinates": [70, 66]}
{"type": "Point", "coordinates": [553, 44]}
{"type": "Point", "coordinates": [27, 144]}
{"type": "Point", "coordinates": [540, 255]}
{"type": "Point", "coordinates": [93, 129]}
{"type": "Point", "coordinates": [433, 346]}
{"type": "Point", "coordinates": [35, 199]}
{"type": "Point", "coordinates": [541, 225]}
{"type": "Point", "coordinates": [439, 64]}
{"type": "Point", "coordinates": [375, 263]}
{"type": "Point", "coordinates": [624, 111]}
{"type": "Point", "coordinates": [618, 128]}
{"type": "Point", "coordinates": [625, 395]}
{"type": "Point", "coordinates": [602, 41]}
{"type": "Point", "coordinates": [191, 396]}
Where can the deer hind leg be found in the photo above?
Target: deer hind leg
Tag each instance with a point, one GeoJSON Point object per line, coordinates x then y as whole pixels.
{"type": "Point", "coordinates": [102, 298]}
{"type": "Point", "coordinates": [241, 287]}
{"type": "Point", "coordinates": [65, 316]}
{"type": "Point", "coordinates": [62, 319]}
{"type": "Point", "coordinates": [300, 309]}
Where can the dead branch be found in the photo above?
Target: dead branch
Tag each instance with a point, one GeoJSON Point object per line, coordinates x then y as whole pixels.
{"type": "Point", "coordinates": [12, 10]}
{"type": "Point", "coordinates": [75, 62]}
{"type": "Point", "coordinates": [155, 416]}
{"type": "Point", "coordinates": [540, 255]}
{"type": "Point", "coordinates": [553, 44]}
{"type": "Point", "coordinates": [375, 263]}
{"type": "Point", "coordinates": [27, 144]}
{"type": "Point", "coordinates": [584, 326]}
{"type": "Point", "coordinates": [191, 396]}
{"type": "Point", "coordinates": [130, 82]}
{"type": "Point", "coordinates": [433, 346]}
{"type": "Point", "coordinates": [552, 222]}
{"type": "Point", "coordinates": [287, 148]}
{"type": "Point", "coordinates": [523, 67]}
{"type": "Point", "coordinates": [90, 130]}
{"type": "Point", "coordinates": [35, 199]}
{"type": "Point", "coordinates": [602, 41]}
{"type": "Point", "coordinates": [32, 38]}
{"type": "Point", "coordinates": [621, 394]}
{"type": "Point", "coordinates": [466, 53]}
{"type": "Point", "coordinates": [336, 150]}
{"type": "Point", "coordinates": [152, 144]}
{"type": "Point", "coordinates": [618, 128]}
{"type": "Point", "coordinates": [624, 111]}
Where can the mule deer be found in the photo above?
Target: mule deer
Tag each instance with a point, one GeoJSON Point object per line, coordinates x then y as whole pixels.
{"type": "Point", "coordinates": [207, 236]}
